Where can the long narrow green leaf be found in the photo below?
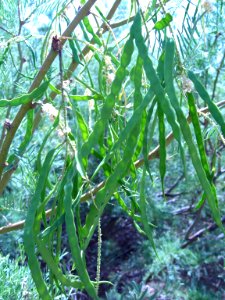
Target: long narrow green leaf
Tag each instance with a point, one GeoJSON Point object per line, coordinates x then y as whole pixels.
{"type": "Point", "coordinates": [29, 131]}
{"type": "Point", "coordinates": [73, 238]}
{"type": "Point", "coordinates": [111, 185]}
{"type": "Point", "coordinates": [201, 148]}
{"type": "Point", "coordinates": [155, 81]}
{"type": "Point", "coordinates": [138, 98]}
{"type": "Point", "coordinates": [162, 145]}
{"type": "Point", "coordinates": [26, 98]}
{"type": "Point", "coordinates": [48, 258]}
{"type": "Point", "coordinates": [214, 110]}
{"type": "Point", "coordinates": [143, 208]}
{"type": "Point", "coordinates": [146, 139]}
{"type": "Point", "coordinates": [198, 133]}
{"type": "Point", "coordinates": [74, 51]}
{"type": "Point", "coordinates": [125, 208]}
{"type": "Point", "coordinates": [91, 31]}
{"type": "Point", "coordinates": [29, 239]}
{"type": "Point", "coordinates": [135, 120]}
{"type": "Point", "coordinates": [72, 44]}
{"type": "Point", "coordinates": [212, 200]}
{"type": "Point", "coordinates": [61, 216]}
{"type": "Point", "coordinates": [82, 124]}
{"type": "Point", "coordinates": [54, 89]}
{"type": "Point", "coordinates": [110, 100]}
{"type": "Point", "coordinates": [86, 97]}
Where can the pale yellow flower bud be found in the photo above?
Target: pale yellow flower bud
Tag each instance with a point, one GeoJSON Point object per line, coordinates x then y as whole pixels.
{"type": "Point", "coordinates": [49, 109]}
{"type": "Point", "coordinates": [110, 77]}
{"type": "Point", "coordinates": [91, 104]}
{"type": "Point", "coordinates": [63, 131]}
{"type": "Point", "coordinates": [207, 6]}
{"type": "Point", "coordinates": [87, 92]}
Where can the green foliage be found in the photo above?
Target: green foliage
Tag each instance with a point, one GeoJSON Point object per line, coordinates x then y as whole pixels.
{"type": "Point", "coordinates": [15, 280]}
{"type": "Point", "coordinates": [93, 144]}
{"type": "Point", "coordinates": [215, 112]}
{"type": "Point", "coordinates": [176, 273]}
{"type": "Point", "coordinates": [164, 22]}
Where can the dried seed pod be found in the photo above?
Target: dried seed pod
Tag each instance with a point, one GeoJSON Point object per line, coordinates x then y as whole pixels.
{"type": "Point", "coordinates": [56, 44]}
{"type": "Point", "coordinates": [7, 124]}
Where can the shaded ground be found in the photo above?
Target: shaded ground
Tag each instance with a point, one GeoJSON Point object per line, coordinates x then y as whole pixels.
{"type": "Point", "coordinates": [124, 262]}
{"type": "Point", "coordinates": [121, 258]}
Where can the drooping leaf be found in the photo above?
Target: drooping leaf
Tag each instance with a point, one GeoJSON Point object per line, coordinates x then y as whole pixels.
{"type": "Point", "coordinates": [26, 98]}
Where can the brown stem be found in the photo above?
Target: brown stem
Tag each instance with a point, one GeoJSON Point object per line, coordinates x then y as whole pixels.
{"type": "Point", "coordinates": [72, 67]}
{"type": "Point", "coordinates": [10, 135]}
{"type": "Point", "coordinates": [86, 49]}
{"type": "Point", "coordinates": [120, 23]}
{"type": "Point", "coordinates": [38, 79]}
{"type": "Point", "coordinates": [124, 22]}
{"type": "Point", "coordinates": [200, 233]}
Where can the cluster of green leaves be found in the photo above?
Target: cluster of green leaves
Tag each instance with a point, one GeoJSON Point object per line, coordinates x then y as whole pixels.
{"type": "Point", "coordinates": [113, 136]}
{"type": "Point", "coordinates": [15, 280]}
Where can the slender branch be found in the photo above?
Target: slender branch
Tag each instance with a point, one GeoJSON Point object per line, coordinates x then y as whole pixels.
{"type": "Point", "coordinates": [113, 10]}
{"type": "Point", "coordinates": [125, 22]}
{"type": "Point", "coordinates": [183, 210]}
{"type": "Point", "coordinates": [89, 195]}
{"type": "Point", "coordinates": [194, 223]}
{"type": "Point", "coordinates": [200, 233]}
{"type": "Point", "coordinates": [175, 184]}
{"type": "Point", "coordinates": [38, 79]}
{"type": "Point", "coordinates": [171, 195]}
{"type": "Point", "coordinates": [217, 75]}
{"type": "Point", "coordinates": [120, 23]}
{"type": "Point", "coordinates": [2, 28]}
